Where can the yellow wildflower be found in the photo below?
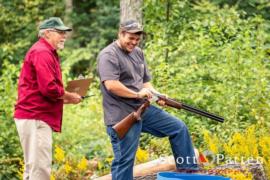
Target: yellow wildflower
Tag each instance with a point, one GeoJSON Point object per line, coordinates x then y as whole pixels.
{"type": "Point", "coordinates": [52, 177]}
{"type": "Point", "coordinates": [82, 164]}
{"type": "Point", "coordinates": [240, 175]}
{"type": "Point", "coordinates": [243, 145]}
{"type": "Point", "coordinates": [109, 159]}
{"type": "Point", "coordinates": [264, 144]}
{"type": "Point", "coordinates": [21, 170]}
{"type": "Point", "coordinates": [67, 168]}
{"type": "Point", "coordinates": [100, 165]}
{"type": "Point", "coordinates": [59, 154]}
{"type": "Point", "coordinates": [142, 155]}
{"type": "Point", "coordinates": [212, 142]}
{"type": "Point", "coordinates": [251, 139]}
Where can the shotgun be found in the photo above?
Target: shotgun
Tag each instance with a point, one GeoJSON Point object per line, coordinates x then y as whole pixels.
{"type": "Point", "coordinates": [178, 105]}
{"type": "Point", "coordinates": [122, 127]}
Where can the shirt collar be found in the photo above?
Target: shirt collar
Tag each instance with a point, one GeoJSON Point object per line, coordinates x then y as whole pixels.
{"type": "Point", "coordinates": [47, 44]}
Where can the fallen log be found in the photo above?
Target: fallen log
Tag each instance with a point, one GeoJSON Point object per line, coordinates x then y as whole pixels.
{"type": "Point", "coordinates": [151, 167]}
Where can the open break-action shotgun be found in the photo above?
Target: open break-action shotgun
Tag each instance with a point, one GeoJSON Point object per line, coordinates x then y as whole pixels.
{"type": "Point", "coordinates": [125, 124]}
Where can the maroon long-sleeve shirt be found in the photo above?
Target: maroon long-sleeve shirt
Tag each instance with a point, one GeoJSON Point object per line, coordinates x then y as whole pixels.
{"type": "Point", "coordinates": [40, 86]}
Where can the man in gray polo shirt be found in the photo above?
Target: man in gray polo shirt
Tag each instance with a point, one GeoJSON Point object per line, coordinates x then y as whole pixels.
{"type": "Point", "coordinates": [125, 82]}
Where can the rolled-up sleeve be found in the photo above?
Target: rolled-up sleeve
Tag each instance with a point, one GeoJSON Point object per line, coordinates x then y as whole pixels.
{"type": "Point", "coordinates": [108, 67]}
{"type": "Point", "coordinates": [48, 75]}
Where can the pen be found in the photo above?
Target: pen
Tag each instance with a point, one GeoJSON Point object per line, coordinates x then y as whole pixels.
{"type": "Point", "coordinates": [83, 97]}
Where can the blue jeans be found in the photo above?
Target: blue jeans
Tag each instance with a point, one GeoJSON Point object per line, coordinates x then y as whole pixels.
{"type": "Point", "coordinates": [159, 123]}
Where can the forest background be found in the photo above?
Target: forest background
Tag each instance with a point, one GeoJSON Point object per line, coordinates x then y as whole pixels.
{"type": "Point", "coordinates": [212, 54]}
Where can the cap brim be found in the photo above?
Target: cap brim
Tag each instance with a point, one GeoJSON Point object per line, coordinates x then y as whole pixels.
{"type": "Point", "coordinates": [63, 28]}
{"type": "Point", "coordinates": [135, 31]}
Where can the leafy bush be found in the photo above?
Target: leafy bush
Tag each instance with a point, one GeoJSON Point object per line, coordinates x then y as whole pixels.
{"type": "Point", "coordinates": [10, 150]}
{"type": "Point", "coordinates": [217, 60]}
{"type": "Point", "coordinates": [84, 136]}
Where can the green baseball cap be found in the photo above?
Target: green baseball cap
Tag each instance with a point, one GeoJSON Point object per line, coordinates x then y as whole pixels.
{"type": "Point", "coordinates": [54, 23]}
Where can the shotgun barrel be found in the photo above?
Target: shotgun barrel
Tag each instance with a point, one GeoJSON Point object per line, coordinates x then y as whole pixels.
{"type": "Point", "coordinates": [178, 105]}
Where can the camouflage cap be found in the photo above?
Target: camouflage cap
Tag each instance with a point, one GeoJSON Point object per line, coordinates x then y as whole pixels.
{"type": "Point", "coordinates": [131, 26]}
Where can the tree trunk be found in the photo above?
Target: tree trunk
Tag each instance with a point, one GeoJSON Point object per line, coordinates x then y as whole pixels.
{"type": "Point", "coordinates": [131, 10]}
{"type": "Point", "coordinates": [68, 11]}
{"type": "Point", "coordinates": [167, 38]}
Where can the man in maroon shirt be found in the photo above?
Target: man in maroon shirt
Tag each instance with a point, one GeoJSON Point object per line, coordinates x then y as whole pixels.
{"type": "Point", "coordinates": [41, 95]}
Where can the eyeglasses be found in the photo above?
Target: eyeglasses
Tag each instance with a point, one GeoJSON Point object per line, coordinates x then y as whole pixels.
{"type": "Point", "coordinates": [59, 32]}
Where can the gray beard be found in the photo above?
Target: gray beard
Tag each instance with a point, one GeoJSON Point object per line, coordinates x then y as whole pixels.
{"type": "Point", "coordinates": [60, 46]}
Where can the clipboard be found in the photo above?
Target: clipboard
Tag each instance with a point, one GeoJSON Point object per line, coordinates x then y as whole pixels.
{"type": "Point", "coordinates": [79, 86]}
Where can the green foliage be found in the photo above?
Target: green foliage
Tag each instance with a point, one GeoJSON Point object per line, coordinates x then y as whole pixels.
{"type": "Point", "coordinates": [251, 7]}
{"type": "Point", "coordinates": [100, 21]}
{"type": "Point", "coordinates": [217, 61]}
{"type": "Point", "coordinates": [94, 25]}
{"type": "Point", "coordinates": [84, 133]}
{"type": "Point", "coordinates": [18, 25]}
{"type": "Point", "coordinates": [9, 141]}
{"type": "Point", "coordinates": [210, 54]}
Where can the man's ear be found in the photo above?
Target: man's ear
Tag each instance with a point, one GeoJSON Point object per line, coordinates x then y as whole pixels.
{"type": "Point", "coordinates": [46, 34]}
{"type": "Point", "coordinates": [122, 33]}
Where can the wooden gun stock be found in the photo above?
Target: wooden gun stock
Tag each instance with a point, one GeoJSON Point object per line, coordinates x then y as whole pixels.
{"type": "Point", "coordinates": [122, 127]}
